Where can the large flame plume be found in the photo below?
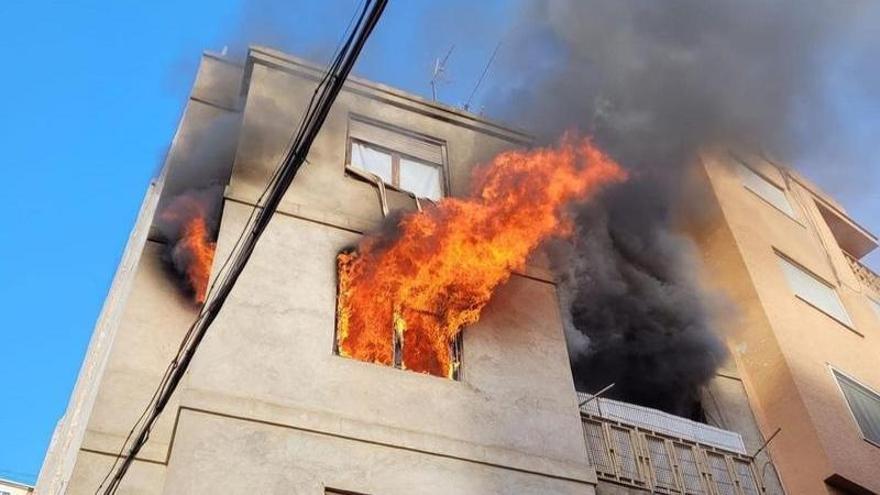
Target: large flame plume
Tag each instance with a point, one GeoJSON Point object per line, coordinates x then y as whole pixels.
{"type": "Point", "coordinates": [438, 271]}
{"type": "Point", "coordinates": [192, 248]}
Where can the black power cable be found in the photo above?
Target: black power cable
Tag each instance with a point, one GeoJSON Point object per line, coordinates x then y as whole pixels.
{"type": "Point", "coordinates": [293, 160]}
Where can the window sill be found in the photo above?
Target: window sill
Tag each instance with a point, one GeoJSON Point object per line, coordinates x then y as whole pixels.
{"type": "Point", "coordinates": [848, 326]}
{"type": "Point", "coordinates": [787, 215]}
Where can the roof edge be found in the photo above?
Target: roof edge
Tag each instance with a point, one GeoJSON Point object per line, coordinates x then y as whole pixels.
{"type": "Point", "coordinates": [299, 66]}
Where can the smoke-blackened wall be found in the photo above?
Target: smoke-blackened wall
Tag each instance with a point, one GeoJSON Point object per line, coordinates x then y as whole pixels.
{"type": "Point", "coordinates": [654, 82]}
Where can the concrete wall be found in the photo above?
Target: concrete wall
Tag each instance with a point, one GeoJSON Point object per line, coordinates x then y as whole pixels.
{"type": "Point", "coordinates": [782, 345]}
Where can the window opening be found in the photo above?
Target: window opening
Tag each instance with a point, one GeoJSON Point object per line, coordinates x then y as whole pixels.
{"type": "Point", "coordinates": [406, 342]}
{"type": "Point", "coordinates": [864, 404]}
{"type": "Point", "coordinates": [814, 291]}
{"type": "Point", "coordinates": [400, 171]}
{"type": "Point", "coordinates": [764, 188]}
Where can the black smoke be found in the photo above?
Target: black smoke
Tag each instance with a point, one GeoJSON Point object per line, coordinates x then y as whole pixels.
{"type": "Point", "coordinates": [654, 83]}
{"type": "Point", "coordinates": [196, 170]}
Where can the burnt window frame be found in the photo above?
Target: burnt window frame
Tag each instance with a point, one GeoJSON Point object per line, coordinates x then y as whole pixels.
{"type": "Point", "coordinates": [398, 341]}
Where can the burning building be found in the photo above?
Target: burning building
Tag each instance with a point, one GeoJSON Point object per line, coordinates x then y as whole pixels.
{"type": "Point", "coordinates": [399, 327]}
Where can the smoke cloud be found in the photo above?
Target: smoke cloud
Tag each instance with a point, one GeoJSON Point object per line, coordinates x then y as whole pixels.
{"type": "Point", "coordinates": [189, 208]}
{"type": "Point", "coordinates": [654, 82]}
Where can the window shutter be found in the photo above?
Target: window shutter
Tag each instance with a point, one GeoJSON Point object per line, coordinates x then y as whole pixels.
{"type": "Point", "coordinates": [764, 188]}
{"type": "Point", "coordinates": [814, 291]}
{"type": "Point", "coordinates": [401, 142]}
{"type": "Point", "coordinates": [864, 404]}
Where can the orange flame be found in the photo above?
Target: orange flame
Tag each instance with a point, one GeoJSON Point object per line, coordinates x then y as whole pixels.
{"type": "Point", "coordinates": [201, 250]}
{"type": "Point", "coordinates": [442, 267]}
{"type": "Point", "coordinates": [193, 251]}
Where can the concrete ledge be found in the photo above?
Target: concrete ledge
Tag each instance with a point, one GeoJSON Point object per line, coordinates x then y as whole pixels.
{"type": "Point", "coordinates": [326, 424]}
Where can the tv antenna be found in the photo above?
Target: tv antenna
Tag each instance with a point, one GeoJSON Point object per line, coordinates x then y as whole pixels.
{"type": "Point", "coordinates": [437, 73]}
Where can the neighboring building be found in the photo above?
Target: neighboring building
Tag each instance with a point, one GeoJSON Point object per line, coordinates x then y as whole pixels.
{"type": "Point", "coordinates": [807, 339]}
{"type": "Point", "coordinates": [8, 487]}
{"type": "Point", "coordinates": [269, 407]}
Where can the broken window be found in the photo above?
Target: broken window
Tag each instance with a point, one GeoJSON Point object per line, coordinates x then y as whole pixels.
{"type": "Point", "coordinates": [393, 333]}
{"type": "Point", "coordinates": [864, 404]}
{"type": "Point", "coordinates": [402, 160]}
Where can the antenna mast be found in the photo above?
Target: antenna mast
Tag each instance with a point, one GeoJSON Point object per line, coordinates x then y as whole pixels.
{"type": "Point", "coordinates": [438, 71]}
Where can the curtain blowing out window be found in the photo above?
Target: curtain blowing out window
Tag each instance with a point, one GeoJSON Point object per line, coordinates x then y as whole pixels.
{"type": "Point", "coordinates": [401, 160]}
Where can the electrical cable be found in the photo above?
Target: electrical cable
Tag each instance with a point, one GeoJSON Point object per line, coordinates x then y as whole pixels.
{"type": "Point", "coordinates": [314, 118]}
{"type": "Point", "coordinates": [220, 271]}
{"type": "Point", "coordinates": [480, 80]}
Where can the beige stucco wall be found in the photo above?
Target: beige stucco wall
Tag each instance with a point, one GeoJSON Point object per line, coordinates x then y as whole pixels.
{"type": "Point", "coordinates": [784, 346]}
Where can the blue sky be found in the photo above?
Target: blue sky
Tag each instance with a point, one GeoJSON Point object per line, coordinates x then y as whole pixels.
{"type": "Point", "coordinates": [93, 92]}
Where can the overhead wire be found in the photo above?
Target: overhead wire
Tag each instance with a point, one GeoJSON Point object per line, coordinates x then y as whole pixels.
{"type": "Point", "coordinates": [467, 104]}
{"type": "Point", "coordinates": [222, 268]}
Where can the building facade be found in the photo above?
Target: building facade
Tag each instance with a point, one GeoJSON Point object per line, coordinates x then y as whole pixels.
{"type": "Point", "coordinates": [269, 405]}
{"type": "Point", "coordinates": [807, 333]}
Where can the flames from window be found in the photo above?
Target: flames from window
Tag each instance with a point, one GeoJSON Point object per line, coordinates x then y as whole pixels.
{"type": "Point", "coordinates": [188, 224]}
{"type": "Point", "coordinates": [437, 270]}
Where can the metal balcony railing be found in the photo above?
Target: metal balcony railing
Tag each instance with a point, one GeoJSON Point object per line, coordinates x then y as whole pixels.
{"type": "Point", "coordinates": [866, 276]}
{"type": "Point", "coordinates": [662, 453]}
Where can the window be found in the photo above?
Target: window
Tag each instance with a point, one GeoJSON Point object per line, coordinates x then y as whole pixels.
{"type": "Point", "coordinates": [864, 404]}
{"type": "Point", "coordinates": [767, 190]}
{"type": "Point", "coordinates": [814, 291]}
{"type": "Point", "coordinates": [875, 305]}
{"type": "Point", "coordinates": [393, 333]}
{"type": "Point", "coordinates": [402, 172]}
{"type": "Point", "coordinates": [404, 161]}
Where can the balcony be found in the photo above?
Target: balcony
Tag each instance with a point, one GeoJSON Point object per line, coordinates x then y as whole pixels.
{"type": "Point", "coordinates": [661, 453]}
{"type": "Point", "coordinates": [866, 276]}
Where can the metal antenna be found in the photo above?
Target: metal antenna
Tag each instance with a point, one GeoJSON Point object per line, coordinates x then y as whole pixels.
{"type": "Point", "coordinates": [438, 71]}
{"type": "Point", "coordinates": [482, 76]}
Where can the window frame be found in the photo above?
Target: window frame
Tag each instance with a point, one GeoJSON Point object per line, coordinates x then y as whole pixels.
{"type": "Point", "coordinates": [395, 165]}
{"type": "Point", "coordinates": [850, 325]}
{"type": "Point", "coordinates": [875, 306]}
{"type": "Point", "coordinates": [744, 164]}
{"type": "Point", "coordinates": [398, 343]}
{"type": "Point", "coordinates": [357, 129]}
{"type": "Point", "coordinates": [835, 375]}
